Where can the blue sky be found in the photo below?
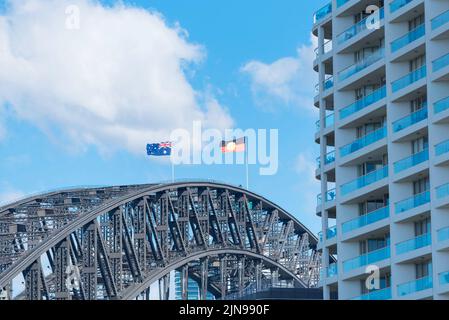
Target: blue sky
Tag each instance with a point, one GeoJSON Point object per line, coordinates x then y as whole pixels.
{"type": "Point", "coordinates": [35, 156]}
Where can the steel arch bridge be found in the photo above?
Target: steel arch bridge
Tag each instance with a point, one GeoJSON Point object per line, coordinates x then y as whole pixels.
{"type": "Point", "coordinates": [116, 242]}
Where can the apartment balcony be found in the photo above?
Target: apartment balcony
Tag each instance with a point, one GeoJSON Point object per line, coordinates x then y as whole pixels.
{"type": "Point", "coordinates": [408, 38]}
{"type": "Point", "coordinates": [363, 142]}
{"type": "Point", "coordinates": [332, 270]}
{"type": "Point", "coordinates": [443, 280]}
{"type": "Point", "coordinates": [441, 111]}
{"type": "Point", "coordinates": [407, 125]}
{"type": "Point", "coordinates": [443, 239]}
{"type": "Point", "coordinates": [322, 13]}
{"type": "Point", "coordinates": [413, 244]}
{"type": "Point", "coordinates": [331, 233]}
{"type": "Point", "coordinates": [323, 53]}
{"type": "Point", "coordinates": [381, 294]}
{"type": "Point", "coordinates": [357, 29]}
{"type": "Point", "coordinates": [359, 66]}
{"type": "Point", "coordinates": [440, 26]}
{"type": "Point", "coordinates": [415, 286]}
{"type": "Point", "coordinates": [412, 166]}
{"type": "Point", "coordinates": [398, 87]}
{"type": "Point", "coordinates": [440, 68]}
{"type": "Point", "coordinates": [442, 195]}
{"type": "Point", "coordinates": [364, 181]}
{"type": "Point", "coordinates": [329, 158]}
{"type": "Point", "coordinates": [363, 103]}
{"type": "Point", "coordinates": [413, 206]}
{"type": "Point", "coordinates": [329, 201]}
{"type": "Point", "coordinates": [398, 4]}
{"type": "Point", "coordinates": [365, 223]}
{"type": "Point", "coordinates": [366, 259]}
{"type": "Point", "coordinates": [442, 153]}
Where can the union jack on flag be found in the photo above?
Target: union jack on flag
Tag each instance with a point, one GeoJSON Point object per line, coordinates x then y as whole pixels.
{"type": "Point", "coordinates": [159, 149]}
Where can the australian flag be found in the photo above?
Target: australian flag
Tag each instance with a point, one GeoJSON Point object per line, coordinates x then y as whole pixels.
{"type": "Point", "coordinates": [159, 149]}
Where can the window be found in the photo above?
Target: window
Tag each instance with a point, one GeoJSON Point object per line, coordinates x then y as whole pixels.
{"type": "Point", "coordinates": [418, 103]}
{"type": "Point", "coordinates": [423, 269]}
{"type": "Point", "coordinates": [422, 227]}
{"type": "Point", "coordinates": [421, 185]}
{"type": "Point", "coordinates": [420, 144]}
{"type": "Point", "coordinates": [415, 22]}
{"type": "Point", "coordinates": [384, 282]}
{"type": "Point", "coordinates": [374, 244]}
{"type": "Point", "coordinates": [417, 63]}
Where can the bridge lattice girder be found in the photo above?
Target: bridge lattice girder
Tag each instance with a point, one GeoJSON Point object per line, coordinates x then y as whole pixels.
{"type": "Point", "coordinates": [120, 240]}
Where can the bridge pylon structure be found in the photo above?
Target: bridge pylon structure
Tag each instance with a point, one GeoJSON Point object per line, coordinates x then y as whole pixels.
{"type": "Point", "coordinates": [117, 242]}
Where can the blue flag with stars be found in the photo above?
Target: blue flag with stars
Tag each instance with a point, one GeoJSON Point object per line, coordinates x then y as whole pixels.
{"type": "Point", "coordinates": [159, 149]}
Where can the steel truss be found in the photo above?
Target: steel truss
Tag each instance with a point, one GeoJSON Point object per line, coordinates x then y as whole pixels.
{"type": "Point", "coordinates": [115, 242]}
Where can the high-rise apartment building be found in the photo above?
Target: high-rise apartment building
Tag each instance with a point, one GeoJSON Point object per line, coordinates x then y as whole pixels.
{"type": "Point", "coordinates": [383, 131]}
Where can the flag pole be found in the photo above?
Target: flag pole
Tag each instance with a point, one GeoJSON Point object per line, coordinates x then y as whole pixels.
{"type": "Point", "coordinates": [172, 170]}
{"type": "Point", "coordinates": [246, 160]}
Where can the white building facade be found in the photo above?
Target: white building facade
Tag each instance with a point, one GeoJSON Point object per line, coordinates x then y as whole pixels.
{"type": "Point", "coordinates": [383, 131]}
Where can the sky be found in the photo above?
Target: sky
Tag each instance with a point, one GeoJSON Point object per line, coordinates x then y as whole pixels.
{"type": "Point", "coordinates": [79, 99]}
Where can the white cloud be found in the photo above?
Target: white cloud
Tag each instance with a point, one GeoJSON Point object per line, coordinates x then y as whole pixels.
{"type": "Point", "coordinates": [290, 80]}
{"type": "Point", "coordinates": [118, 82]}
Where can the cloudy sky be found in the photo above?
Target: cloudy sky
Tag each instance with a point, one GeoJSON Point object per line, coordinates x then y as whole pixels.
{"type": "Point", "coordinates": [80, 98]}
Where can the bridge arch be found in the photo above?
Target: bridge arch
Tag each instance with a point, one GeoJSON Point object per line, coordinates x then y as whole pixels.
{"type": "Point", "coordinates": [124, 238]}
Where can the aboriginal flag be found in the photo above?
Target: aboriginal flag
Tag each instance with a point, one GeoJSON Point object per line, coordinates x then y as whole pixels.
{"type": "Point", "coordinates": [236, 145]}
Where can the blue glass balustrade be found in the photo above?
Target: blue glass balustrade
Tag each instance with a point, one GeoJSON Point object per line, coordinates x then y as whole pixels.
{"type": "Point", "coordinates": [366, 259]}
{"type": "Point", "coordinates": [332, 270]}
{"type": "Point", "coordinates": [322, 13]}
{"type": "Point", "coordinates": [444, 278]}
{"type": "Point", "coordinates": [440, 20]}
{"type": "Point", "coordinates": [442, 148]}
{"type": "Point", "coordinates": [441, 105]}
{"type": "Point", "coordinates": [442, 191]}
{"type": "Point", "coordinates": [366, 219]}
{"type": "Point", "coordinates": [411, 119]}
{"type": "Point", "coordinates": [413, 202]}
{"type": "Point", "coordinates": [411, 161]}
{"type": "Point", "coordinates": [409, 78]}
{"type": "Point", "coordinates": [409, 37]}
{"type": "Point", "coordinates": [398, 4]}
{"type": "Point", "coordinates": [415, 286]}
{"type": "Point", "coordinates": [443, 234]}
{"type": "Point", "coordinates": [440, 63]}
{"type": "Point", "coordinates": [361, 65]}
{"type": "Point", "coordinates": [418, 242]}
{"type": "Point", "coordinates": [364, 181]}
{"type": "Point", "coordinates": [330, 196]}
{"type": "Point", "coordinates": [364, 102]}
{"type": "Point", "coordinates": [364, 141]}
{"type": "Point", "coordinates": [381, 294]}
{"type": "Point", "coordinates": [359, 27]}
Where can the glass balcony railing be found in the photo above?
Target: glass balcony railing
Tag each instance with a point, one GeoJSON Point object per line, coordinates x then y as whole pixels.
{"type": "Point", "coordinates": [328, 159]}
{"type": "Point", "coordinates": [411, 119]}
{"type": "Point", "coordinates": [442, 191]}
{"type": "Point", "coordinates": [364, 141]}
{"type": "Point", "coordinates": [381, 294]}
{"type": "Point", "coordinates": [330, 233]}
{"type": "Point", "coordinates": [332, 270]}
{"type": "Point", "coordinates": [330, 196]}
{"type": "Point", "coordinates": [416, 243]}
{"type": "Point", "coordinates": [322, 13]}
{"type": "Point", "coordinates": [408, 79]}
{"type": "Point", "coordinates": [366, 101]}
{"type": "Point", "coordinates": [415, 286]}
{"type": "Point", "coordinates": [358, 28]}
{"type": "Point", "coordinates": [328, 83]}
{"type": "Point", "coordinates": [366, 219]}
{"type": "Point", "coordinates": [441, 105]}
{"type": "Point", "coordinates": [366, 259]}
{"type": "Point", "coordinates": [361, 65]}
{"type": "Point", "coordinates": [440, 63]}
{"type": "Point", "coordinates": [398, 4]}
{"type": "Point", "coordinates": [440, 20]}
{"type": "Point", "coordinates": [442, 148]}
{"type": "Point", "coordinates": [323, 49]}
{"type": "Point", "coordinates": [341, 2]}
{"type": "Point", "coordinates": [411, 161]}
{"type": "Point", "coordinates": [413, 202]}
{"type": "Point", "coordinates": [444, 278]}
{"type": "Point", "coordinates": [443, 234]}
{"type": "Point", "coordinates": [364, 181]}
{"type": "Point", "coordinates": [411, 36]}
{"type": "Point", "coordinates": [328, 122]}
